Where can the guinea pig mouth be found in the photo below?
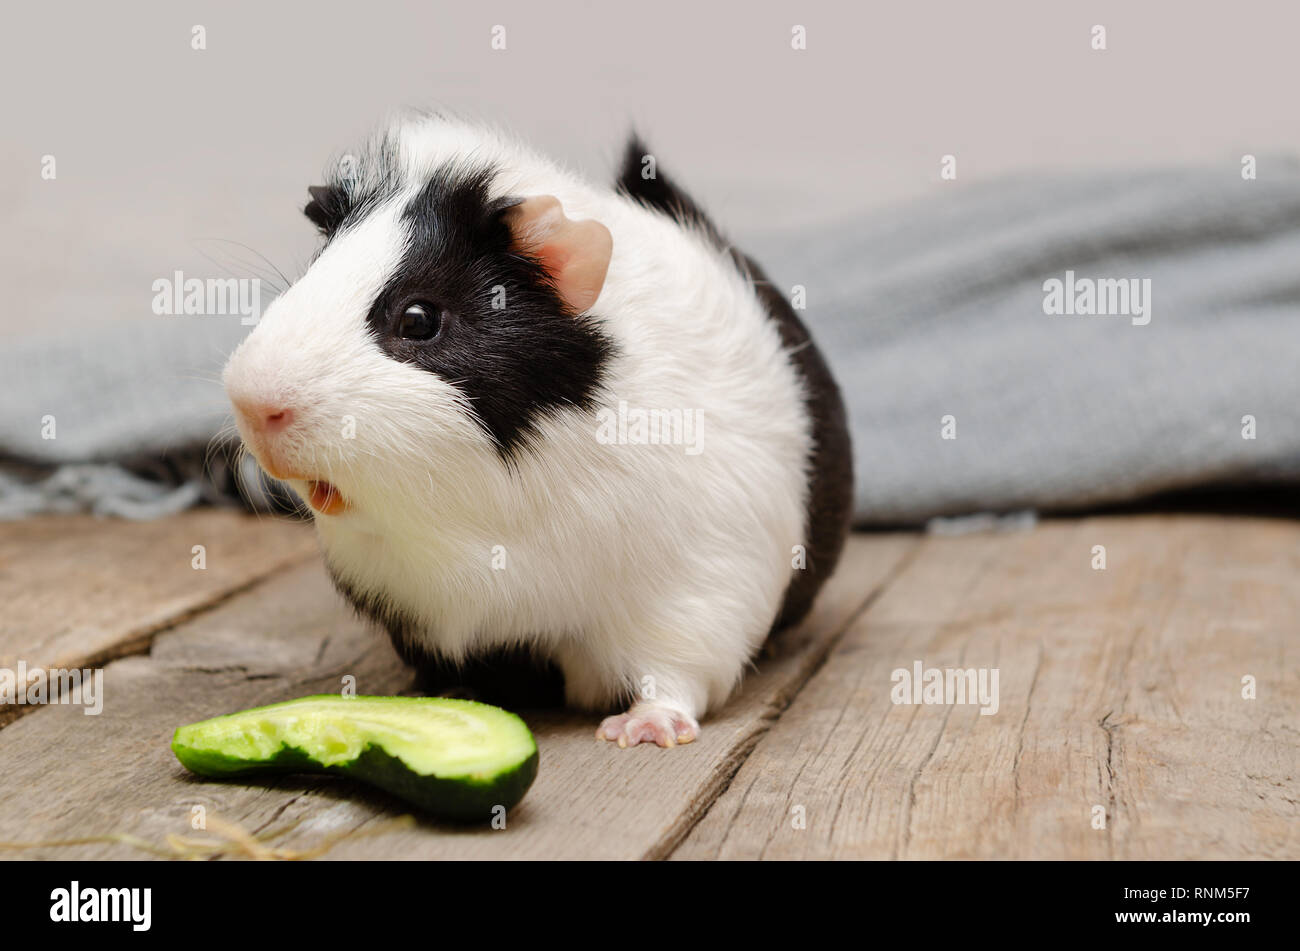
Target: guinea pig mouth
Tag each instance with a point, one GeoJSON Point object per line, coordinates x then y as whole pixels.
{"type": "Point", "coordinates": [324, 498]}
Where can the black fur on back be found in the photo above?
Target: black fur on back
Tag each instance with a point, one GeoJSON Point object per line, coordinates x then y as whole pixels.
{"type": "Point", "coordinates": [830, 466]}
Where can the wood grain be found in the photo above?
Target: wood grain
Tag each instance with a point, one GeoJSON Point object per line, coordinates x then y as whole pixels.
{"type": "Point", "coordinates": [1119, 688]}
{"type": "Point", "coordinates": [293, 636]}
{"type": "Point", "coordinates": [78, 590]}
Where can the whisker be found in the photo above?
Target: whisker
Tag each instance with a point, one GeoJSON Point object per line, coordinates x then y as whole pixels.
{"type": "Point", "coordinates": [267, 261]}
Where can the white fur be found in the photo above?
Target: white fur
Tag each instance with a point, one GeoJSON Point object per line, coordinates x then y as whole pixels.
{"type": "Point", "coordinates": [623, 562]}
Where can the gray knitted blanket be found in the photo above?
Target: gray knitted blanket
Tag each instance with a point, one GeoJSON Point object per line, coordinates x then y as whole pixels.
{"type": "Point", "coordinates": [1033, 344]}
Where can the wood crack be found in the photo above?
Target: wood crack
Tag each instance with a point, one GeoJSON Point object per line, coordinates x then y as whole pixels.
{"type": "Point", "coordinates": [727, 770]}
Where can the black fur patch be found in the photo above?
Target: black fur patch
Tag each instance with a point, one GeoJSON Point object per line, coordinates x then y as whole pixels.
{"type": "Point", "coordinates": [344, 201]}
{"type": "Point", "coordinates": [506, 341]}
{"type": "Point", "coordinates": [507, 677]}
{"type": "Point", "coordinates": [830, 466]}
{"type": "Point", "coordinates": [328, 208]}
{"type": "Point", "coordinates": [660, 193]}
{"type": "Point", "coordinates": [514, 679]}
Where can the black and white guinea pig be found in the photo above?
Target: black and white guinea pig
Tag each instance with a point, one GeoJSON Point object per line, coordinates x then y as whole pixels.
{"type": "Point", "coordinates": [483, 387]}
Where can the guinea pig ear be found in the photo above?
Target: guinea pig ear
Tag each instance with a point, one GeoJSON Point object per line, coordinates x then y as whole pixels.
{"type": "Point", "coordinates": [574, 253]}
{"type": "Point", "coordinates": [327, 208]}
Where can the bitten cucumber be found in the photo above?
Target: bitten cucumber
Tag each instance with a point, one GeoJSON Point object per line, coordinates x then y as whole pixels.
{"type": "Point", "coordinates": [455, 758]}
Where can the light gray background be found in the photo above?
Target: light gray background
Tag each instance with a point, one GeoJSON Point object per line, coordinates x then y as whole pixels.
{"type": "Point", "coordinates": [159, 145]}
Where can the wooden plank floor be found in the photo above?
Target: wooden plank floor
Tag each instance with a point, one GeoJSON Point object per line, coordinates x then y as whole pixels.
{"type": "Point", "coordinates": [1120, 695]}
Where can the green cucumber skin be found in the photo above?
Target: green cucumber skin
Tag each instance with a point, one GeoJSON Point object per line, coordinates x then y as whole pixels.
{"type": "Point", "coordinates": [459, 797]}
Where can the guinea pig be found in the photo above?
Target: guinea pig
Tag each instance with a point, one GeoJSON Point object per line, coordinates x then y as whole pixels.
{"type": "Point", "coordinates": [530, 412]}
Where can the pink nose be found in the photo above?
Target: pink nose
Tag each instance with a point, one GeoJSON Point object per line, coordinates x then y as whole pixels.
{"type": "Point", "coordinates": [264, 418]}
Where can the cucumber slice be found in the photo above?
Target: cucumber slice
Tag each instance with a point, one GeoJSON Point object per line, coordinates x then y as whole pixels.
{"type": "Point", "coordinates": [456, 758]}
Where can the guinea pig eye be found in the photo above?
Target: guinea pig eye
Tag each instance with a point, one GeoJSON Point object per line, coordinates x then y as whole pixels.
{"type": "Point", "coordinates": [419, 322]}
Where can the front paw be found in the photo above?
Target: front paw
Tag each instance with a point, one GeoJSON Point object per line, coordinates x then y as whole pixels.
{"type": "Point", "coordinates": [649, 723]}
